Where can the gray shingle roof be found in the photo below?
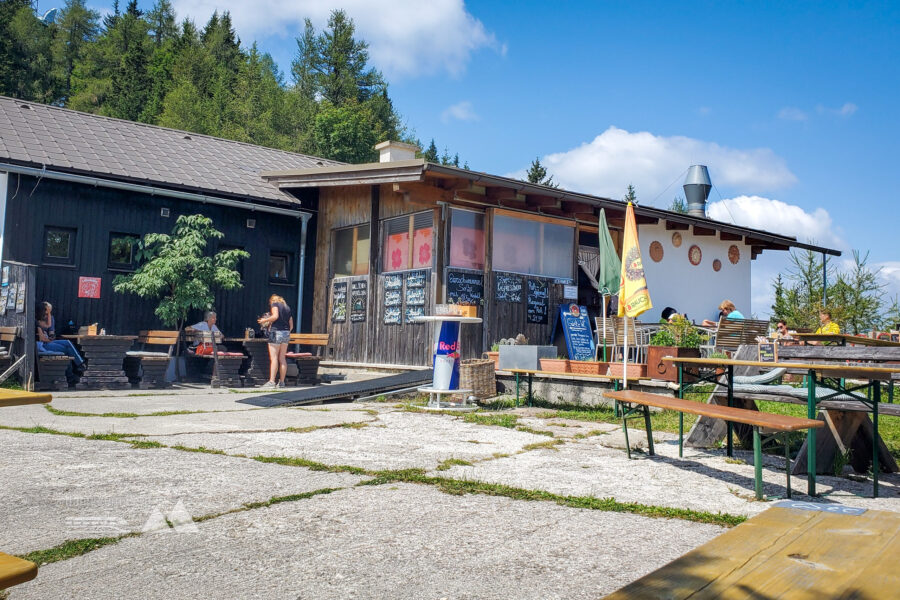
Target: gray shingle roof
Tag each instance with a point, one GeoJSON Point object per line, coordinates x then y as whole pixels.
{"type": "Point", "coordinates": [67, 140]}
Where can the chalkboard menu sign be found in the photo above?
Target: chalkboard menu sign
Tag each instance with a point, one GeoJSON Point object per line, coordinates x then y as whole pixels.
{"type": "Point", "coordinates": [464, 287]}
{"type": "Point", "coordinates": [768, 352]}
{"type": "Point", "coordinates": [538, 301]}
{"type": "Point", "coordinates": [508, 287]}
{"type": "Point", "coordinates": [393, 297]}
{"type": "Point", "coordinates": [415, 279]}
{"type": "Point", "coordinates": [577, 327]}
{"type": "Point", "coordinates": [339, 302]}
{"type": "Point", "coordinates": [359, 294]}
{"type": "Point", "coordinates": [391, 315]}
{"type": "Point", "coordinates": [414, 311]}
{"type": "Point", "coordinates": [415, 296]}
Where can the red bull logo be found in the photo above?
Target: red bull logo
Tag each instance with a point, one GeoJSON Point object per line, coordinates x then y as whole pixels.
{"type": "Point", "coordinates": [446, 348]}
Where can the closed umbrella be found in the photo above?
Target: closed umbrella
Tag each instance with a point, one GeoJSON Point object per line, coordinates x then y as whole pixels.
{"type": "Point", "coordinates": [610, 265]}
{"type": "Point", "coordinates": [634, 297]}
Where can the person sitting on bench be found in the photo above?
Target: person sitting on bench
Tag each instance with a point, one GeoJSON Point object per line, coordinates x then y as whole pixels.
{"type": "Point", "coordinates": [47, 342]}
{"type": "Point", "coordinates": [207, 324]}
{"type": "Point", "coordinates": [727, 310]}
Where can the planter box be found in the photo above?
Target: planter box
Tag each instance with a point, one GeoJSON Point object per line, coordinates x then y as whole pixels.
{"type": "Point", "coordinates": [494, 356]}
{"type": "Point", "coordinates": [525, 357]}
{"type": "Point", "coordinates": [588, 367]}
{"type": "Point", "coordinates": [635, 370]}
{"type": "Point", "coordinates": [657, 368]}
{"type": "Point", "coordinates": [555, 365]}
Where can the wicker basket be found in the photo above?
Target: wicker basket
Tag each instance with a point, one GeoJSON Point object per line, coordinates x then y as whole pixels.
{"type": "Point", "coordinates": [477, 374]}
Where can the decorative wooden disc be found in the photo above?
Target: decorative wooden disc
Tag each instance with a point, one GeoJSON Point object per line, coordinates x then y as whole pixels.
{"type": "Point", "coordinates": [717, 264]}
{"type": "Point", "coordinates": [734, 254]}
{"type": "Point", "coordinates": [676, 239]}
{"type": "Point", "coordinates": [695, 255]}
{"type": "Point", "coordinates": [656, 251]}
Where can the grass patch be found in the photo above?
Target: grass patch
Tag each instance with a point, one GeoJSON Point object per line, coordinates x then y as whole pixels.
{"type": "Point", "coordinates": [125, 415]}
{"type": "Point", "coordinates": [309, 464]}
{"type": "Point", "coordinates": [451, 462]}
{"type": "Point", "coordinates": [508, 421]}
{"type": "Point", "coordinates": [591, 433]}
{"type": "Point", "coordinates": [290, 498]}
{"type": "Point", "coordinates": [201, 449]}
{"type": "Point", "coordinates": [548, 445]}
{"type": "Point", "coordinates": [534, 431]}
{"type": "Point", "coordinates": [459, 488]}
{"type": "Point", "coordinates": [71, 549]}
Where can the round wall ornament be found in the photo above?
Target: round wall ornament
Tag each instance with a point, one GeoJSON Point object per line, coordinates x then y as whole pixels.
{"type": "Point", "coordinates": [717, 264]}
{"type": "Point", "coordinates": [734, 254]}
{"type": "Point", "coordinates": [676, 239]}
{"type": "Point", "coordinates": [695, 255]}
{"type": "Point", "coordinates": [656, 251]}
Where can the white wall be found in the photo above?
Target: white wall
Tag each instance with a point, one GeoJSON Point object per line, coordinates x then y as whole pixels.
{"type": "Point", "coordinates": [695, 290]}
{"type": "Point", "coordinates": [4, 177]}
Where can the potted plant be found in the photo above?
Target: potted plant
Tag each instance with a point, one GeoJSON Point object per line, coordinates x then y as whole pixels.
{"type": "Point", "coordinates": [678, 338]}
{"type": "Point", "coordinates": [494, 354]}
{"type": "Point", "coordinates": [561, 364]}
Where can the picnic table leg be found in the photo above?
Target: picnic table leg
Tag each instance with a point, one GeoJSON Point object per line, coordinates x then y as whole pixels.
{"type": "Point", "coordinates": [625, 429]}
{"type": "Point", "coordinates": [730, 428]}
{"type": "Point", "coordinates": [529, 389]}
{"type": "Point", "coordinates": [787, 461]}
{"type": "Point", "coordinates": [876, 398]}
{"type": "Point", "coordinates": [757, 463]}
{"type": "Point", "coordinates": [811, 433]}
{"type": "Point", "coordinates": [649, 429]}
{"type": "Point", "coordinates": [681, 414]}
{"type": "Point", "coordinates": [517, 389]}
{"type": "Point", "coordinates": [616, 407]}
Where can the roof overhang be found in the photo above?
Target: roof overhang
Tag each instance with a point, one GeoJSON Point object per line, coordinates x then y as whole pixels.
{"type": "Point", "coordinates": [541, 198]}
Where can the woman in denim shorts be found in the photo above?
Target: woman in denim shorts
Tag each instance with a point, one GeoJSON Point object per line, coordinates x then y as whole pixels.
{"type": "Point", "coordinates": [280, 323]}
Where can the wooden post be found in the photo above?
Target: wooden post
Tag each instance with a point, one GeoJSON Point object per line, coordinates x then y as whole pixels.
{"type": "Point", "coordinates": [487, 313]}
{"type": "Point", "coordinates": [374, 261]}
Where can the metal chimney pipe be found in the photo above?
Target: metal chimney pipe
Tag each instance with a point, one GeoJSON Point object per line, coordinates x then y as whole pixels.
{"type": "Point", "coordinates": [696, 190]}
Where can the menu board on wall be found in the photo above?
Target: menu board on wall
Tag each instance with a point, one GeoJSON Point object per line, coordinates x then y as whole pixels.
{"type": "Point", "coordinates": [4, 296]}
{"type": "Point", "coordinates": [538, 301]}
{"type": "Point", "coordinates": [465, 287]}
{"type": "Point", "coordinates": [392, 315]}
{"type": "Point", "coordinates": [339, 302]}
{"type": "Point", "coordinates": [508, 287]}
{"type": "Point", "coordinates": [359, 295]}
{"type": "Point", "coordinates": [393, 298]}
{"type": "Point", "coordinates": [415, 279]}
{"type": "Point", "coordinates": [393, 281]}
{"type": "Point", "coordinates": [415, 296]}
{"type": "Point", "coordinates": [414, 311]}
{"type": "Point", "coordinates": [577, 328]}
{"type": "Point", "coordinates": [11, 298]}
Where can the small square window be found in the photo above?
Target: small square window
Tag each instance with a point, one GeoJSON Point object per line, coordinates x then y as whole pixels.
{"type": "Point", "coordinates": [279, 265]}
{"type": "Point", "coordinates": [59, 246]}
{"type": "Point", "coordinates": [122, 248]}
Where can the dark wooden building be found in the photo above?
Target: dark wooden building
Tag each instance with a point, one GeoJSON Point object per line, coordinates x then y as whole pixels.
{"type": "Point", "coordinates": [76, 191]}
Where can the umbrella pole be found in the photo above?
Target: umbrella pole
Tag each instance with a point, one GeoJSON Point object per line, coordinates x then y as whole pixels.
{"type": "Point", "coordinates": [625, 356]}
{"type": "Point", "coordinates": [604, 326]}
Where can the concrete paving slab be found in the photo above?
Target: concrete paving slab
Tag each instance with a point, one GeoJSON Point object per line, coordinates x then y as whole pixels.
{"type": "Point", "coordinates": [274, 419]}
{"type": "Point", "coordinates": [398, 440]}
{"type": "Point", "coordinates": [702, 480]}
{"type": "Point", "coordinates": [57, 487]}
{"type": "Point", "coordinates": [399, 541]}
{"type": "Point", "coordinates": [132, 402]}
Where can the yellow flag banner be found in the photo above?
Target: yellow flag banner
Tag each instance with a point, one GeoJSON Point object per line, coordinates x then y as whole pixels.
{"type": "Point", "coordinates": [634, 298]}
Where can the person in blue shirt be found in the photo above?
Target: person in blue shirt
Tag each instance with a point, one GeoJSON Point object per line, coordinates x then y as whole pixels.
{"type": "Point", "coordinates": [727, 310]}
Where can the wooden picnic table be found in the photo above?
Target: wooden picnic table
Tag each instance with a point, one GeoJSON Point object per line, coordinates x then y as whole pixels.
{"type": "Point", "coordinates": [842, 339]}
{"type": "Point", "coordinates": [792, 550]}
{"type": "Point", "coordinates": [105, 356]}
{"type": "Point", "coordinates": [615, 379]}
{"type": "Point", "coordinates": [874, 375]}
{"type": "Point", "coordinates": [22, 398]}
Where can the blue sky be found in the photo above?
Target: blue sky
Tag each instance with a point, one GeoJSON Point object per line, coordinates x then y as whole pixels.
{"type": "Point", "coordinates": [793, 106]}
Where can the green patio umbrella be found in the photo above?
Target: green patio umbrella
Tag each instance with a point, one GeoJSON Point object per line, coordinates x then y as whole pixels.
{"type": "Point", "coordinates": [609, 273]}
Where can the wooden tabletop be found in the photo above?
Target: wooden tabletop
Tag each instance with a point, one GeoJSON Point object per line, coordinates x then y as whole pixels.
{"type": "Point", "coordinates": [843, 338]}
{"type": "Point", "coordinates": [850, 370]}
{"type": "Point", "coordinates": [14, 570]}
{"type": "Point", "coordinates": [124, 338]}
{"type": "Point", "coordinates": [792, 550]}
{"type": "Point", "coordinates": [21, 398]}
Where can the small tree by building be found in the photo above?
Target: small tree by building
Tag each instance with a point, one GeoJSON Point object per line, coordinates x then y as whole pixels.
{"type": "Point", "coordinates": [180, 273]}
{"type": "Point", "coordinates": [630, 195]}
{"type": "Point", "coordinates": [679, 205]}
{"type": "Point", "coordinates": [537, 173]}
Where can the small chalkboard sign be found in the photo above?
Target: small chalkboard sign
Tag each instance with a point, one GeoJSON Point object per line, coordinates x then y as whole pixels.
{"type": "Point", "coordinates": [465, 287]}
{"type": "Point", "coordinates": [538, 304]}
{"type": "Point", "coordinates": [359, 294]}
{"type": "Point", "coordinates": [508, 287]}
{"type": "Point", "coordinates": [392, 315]}
{"type": "Point", "coordinates": [768, 352]}
{"type": "Point", "coordinates": [577, 327]}
{"type": "Point", "coordinates": [339, 302]}
{"type": "Point", "coordinates": [415, 279]}
{"type": "Point", "coordinates": [393, 281]}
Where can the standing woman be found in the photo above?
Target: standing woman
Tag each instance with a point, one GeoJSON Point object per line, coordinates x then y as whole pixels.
{"type": "Point", "coordinates": [280, 323]}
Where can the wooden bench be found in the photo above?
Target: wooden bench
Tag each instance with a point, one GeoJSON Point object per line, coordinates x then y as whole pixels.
{"type": "Point", "coordinates": [307, 363]}
{"type": "Point", "coordinates": [226, 366]}
{"type": "Point", "coordinates": [147, 368]}
{"type": "Point", "coordinates": [781, 424]}
{"type": "Point", "coordinates": [731, 334]}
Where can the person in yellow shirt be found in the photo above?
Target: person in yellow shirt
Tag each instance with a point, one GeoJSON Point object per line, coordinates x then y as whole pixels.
{"type": "Point", "coordinates": [828, 327]}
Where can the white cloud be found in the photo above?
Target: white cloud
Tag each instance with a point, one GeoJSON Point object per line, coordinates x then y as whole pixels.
{"type": "Point", "coordinates": [615, 158]}
{"type": "Point", "coordinates": [778, 217]}
{"type": "Point", "coordinates": [847, 109]}
{"type": "Point", "coordinates": [406, 38]}
{"type": "Point", "coordinates": [461, 111]}
{"type": "Point", "coordinates": [790, 113]}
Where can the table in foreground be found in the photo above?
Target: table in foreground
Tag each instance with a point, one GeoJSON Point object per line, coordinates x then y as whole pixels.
{"type": "Point", "coordinates": [835, 373]}
{"type": "Point", "coordinates": [21, 398]}
{"type": "Point", "coordinates": [792, 550]}
{"type": "Point", "coordinates": [842, 339]}
{"type": "Point", "coordinates": [14, 570]}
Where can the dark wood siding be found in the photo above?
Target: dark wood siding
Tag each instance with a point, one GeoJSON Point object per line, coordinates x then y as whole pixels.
{"type": "Point", "coordinates": [95, 212]}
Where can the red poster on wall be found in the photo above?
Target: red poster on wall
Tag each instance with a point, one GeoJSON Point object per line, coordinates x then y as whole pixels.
{"type": "Point", "coordinates": [88, 287]}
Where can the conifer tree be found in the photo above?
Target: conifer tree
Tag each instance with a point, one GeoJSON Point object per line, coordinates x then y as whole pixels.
{"type": "Point", "coordinates": [537, 173]}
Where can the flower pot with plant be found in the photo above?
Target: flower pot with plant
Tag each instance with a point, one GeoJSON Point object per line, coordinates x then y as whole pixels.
{"type": "Point", "coordinates": [678, 338]}
{"type": "Point", "coordinates": [494, 354]}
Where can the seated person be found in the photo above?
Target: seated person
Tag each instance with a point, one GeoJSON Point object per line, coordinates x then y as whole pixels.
{"type": "Point", "coordinates": [207, 324]}
{"type": "Point", "coordinates": [828, 326]}
{"type": "Point", "coordinates": [668, 313]}
{"type": "Point", "coordinates": [727, 310]}
{"type": "Point", "coordinates": [47, 342]}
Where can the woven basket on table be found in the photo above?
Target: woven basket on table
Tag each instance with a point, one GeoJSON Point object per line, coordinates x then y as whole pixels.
{"type": "Point", "coordinates": [477, 374]}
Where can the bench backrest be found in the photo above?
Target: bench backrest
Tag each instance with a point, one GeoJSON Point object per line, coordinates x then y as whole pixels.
{"type": "Point", "coordinates": [840, 353]}
{"type": "Point", "coordinates": [202, 337]}
{"type": "Point", "coordinates": [9, 334]}
{"type": "Point", "coordinates": [730, 333]}
{"type": "Point", "coordinates": [753, 329]}
{"type": "Point", "coordinates": [158, 337]}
